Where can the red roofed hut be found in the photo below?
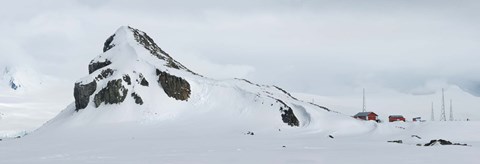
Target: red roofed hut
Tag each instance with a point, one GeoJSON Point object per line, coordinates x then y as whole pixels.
{"type": "Point", "coordinates": [394, 118]}
{"type": "Point", "coordinates": [366, 116]}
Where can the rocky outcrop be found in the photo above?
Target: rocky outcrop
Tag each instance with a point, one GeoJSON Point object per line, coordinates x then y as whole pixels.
{"type": "Point", "coordinates": [173, 86]}
{"type": "Point", "coordinates": [443, 142]}
{"type": "Point", "coordinates": [147, 42]}
{"type": "Point", "coordinates": [137, 98]}
{"type": "Point", "coordinates": [127, 79]}
{"type": "Point", "coordinates": [142, 81]}
{"type": "Point", "coordinates": [105, 73]}
{"type": "Point", "coordinates": [108, 43]}
{"type": "Point", "coordinates": [82, 93]}
{"type": "Point", "coordinates": [93, 66]}
{"type": "Point", "coordinates": [288, 116]}
{"type": "Point", "coordinates": [13, 85]}
{"type": "Point", "coordinates": [113, 93]}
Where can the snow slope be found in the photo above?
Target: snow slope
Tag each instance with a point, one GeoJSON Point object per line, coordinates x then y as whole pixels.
{"type": "Point", "coordinates": [131, 57]}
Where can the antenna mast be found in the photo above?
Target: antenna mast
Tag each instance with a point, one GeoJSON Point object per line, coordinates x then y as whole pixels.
{"type": "Point", "coordinates": [451, 111]}
{"type": "Point", "coordinates": [433, 115]}
{"type": "Point", "coordinates": [443, 117]}
{"type": "Point", "coordinates": [364, 104]}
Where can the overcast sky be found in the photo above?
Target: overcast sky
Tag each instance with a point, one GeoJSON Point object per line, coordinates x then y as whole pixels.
{"type": "Point", "coordinates": [395, 49]}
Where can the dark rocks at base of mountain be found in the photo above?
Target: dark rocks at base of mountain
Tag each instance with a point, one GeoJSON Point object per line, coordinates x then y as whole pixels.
{"type": "Point", "coordinates": [443, 142]}
{"type": "Point", "coordinates": [93, 66]}
{"type": "Point", "coordinates": [138, 99]}
{"type": "Point", "coordinates": [82, 93]}
{"type": "Point", "coordinates": [175, 87]}
{"type": "Point", "coordinates": [113, 93]}
{"type": "Point", "coordinates": [288, 116]}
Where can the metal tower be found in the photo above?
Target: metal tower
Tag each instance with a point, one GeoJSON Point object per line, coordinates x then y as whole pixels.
{"type": "Point", "coordinates": [364, 104]}
{"type": "Point", "coordinates": [451, 111]}
{"type": "Point", "coordinates": [443, 117]}
{"type": "Point", "coordinates": [433, 115]}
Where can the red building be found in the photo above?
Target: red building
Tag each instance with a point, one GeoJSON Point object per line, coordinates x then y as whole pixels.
{"type": "Point", "coordinates": [366, 116]}
{"type": "Point", "coordinates": [394, 118]}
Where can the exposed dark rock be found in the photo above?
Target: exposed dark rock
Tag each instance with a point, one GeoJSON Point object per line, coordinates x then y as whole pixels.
{"type": "Point", "coordinates": [147, 42]}
{"type": "Point", "coordinates": [82, 93]}
{"type": "Point", "coordinates": [322, 107]}
{"type": "Point", "coordinates": [13, 85]}
{"type": "Point", "coordinates": [173, 86]}
{"type": "Point", "coordinates": [113, 93]}
{"type": "Point", "coordinates": [250, 133]}
{"type": "Point", "coordinates": [127, 79]}
{"type": "Point", "coordinates": [416, 136]}
{"type": "Point", "coordinates": [105, 73]}
{"type": "Point", "coordinates": [249, 82]}
{"type": "Point", "coordinates": [285, 92]}
{"type": "Point", "coordinates": [443, 142]}
{"type": "Point", "coordinates": [108, 43]}
{"type": "Point", "coordinates": [143, 81]}
{"type": "Point", "coordinates": [331, 136]}
{"type": "Point", "coordinates": [138, 99]}
{"type": "Point", "coordinates": [396, 141]}
{"type": "Point", "coordinates": [93, 66]}
{"type": "Point", "coordinates": [288, 116]}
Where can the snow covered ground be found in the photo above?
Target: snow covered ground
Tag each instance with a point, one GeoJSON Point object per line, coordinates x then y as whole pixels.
{"type": "Point", "coordinates": [174, 142]}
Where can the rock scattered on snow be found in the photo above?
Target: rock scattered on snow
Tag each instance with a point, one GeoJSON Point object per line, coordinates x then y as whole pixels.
{"type": "Point", "coordinates": [396, 141]}
{"type": "Point", "coordinates": [443, 142]}
{"type": "Point", "coordinates": [416, 136]}
{"type": "Point", "coordinates": [250, 133]}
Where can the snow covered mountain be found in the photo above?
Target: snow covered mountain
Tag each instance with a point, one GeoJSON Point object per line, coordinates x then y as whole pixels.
{"type": "Point", "coordinates": [19, 78]}
{"type": "Point", "coordinates": [135, 80]}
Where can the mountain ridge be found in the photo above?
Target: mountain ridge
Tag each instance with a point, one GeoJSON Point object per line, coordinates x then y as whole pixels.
{"type": "Point", "coordinates": [134, 76]}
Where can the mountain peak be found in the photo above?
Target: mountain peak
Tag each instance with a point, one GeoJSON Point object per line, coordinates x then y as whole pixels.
{"type": "Point", "coordinates": [135, 79]}
{"type": "Point", "coordinates": [130, 62]}
{"type": "Point", "coordinates": [126, 36]}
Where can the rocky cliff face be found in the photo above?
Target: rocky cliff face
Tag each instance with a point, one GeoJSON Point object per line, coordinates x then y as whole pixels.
{"type": "Point", "coordinates": [174, 87]}
{"type": "Point", "coordinates": [133, 69]}
{"type": "Point", "coordinates": [108, 88]}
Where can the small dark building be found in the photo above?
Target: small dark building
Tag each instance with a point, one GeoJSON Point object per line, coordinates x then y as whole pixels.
{"type": "Point", "coordinates": [419, 119]}
{"type": "Point", "coordinates": [366, 116]}
{"type": "Point", "coordinates": [394, 118]}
